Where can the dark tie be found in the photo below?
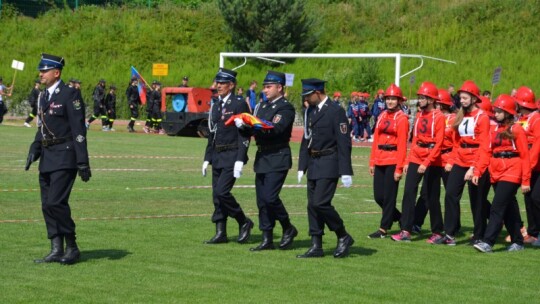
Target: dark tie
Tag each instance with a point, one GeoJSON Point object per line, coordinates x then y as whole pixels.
{"type": "Point", "coordinates": [45, 100]}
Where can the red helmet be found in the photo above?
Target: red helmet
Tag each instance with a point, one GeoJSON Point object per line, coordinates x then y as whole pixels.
{"type": "Point", "coordinates": [525, 98]}
{"type": "Point", "coordinates": [366, 95]}
{"type": "Point", "coordinates": [353, 94]}
{"type": "Point", "coordinates": [506, 103]}
{"type": "Point", "coordinates": [337, 94]}
{"type": "Point", "coordinates": [445, 98]}
{"type": "Point", "coordinates": [485, 105]}
{"type": "Point", "coordinates": [380, 91]}
{"type": "Point", "coordinates": [393, 91]}
{"type": "Point", "coordinates": [470, 87]}
{"type": "Point", "coordinates": [428, 89]}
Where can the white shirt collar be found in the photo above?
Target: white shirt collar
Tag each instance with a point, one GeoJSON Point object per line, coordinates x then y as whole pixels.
{"type": "Point", "coordinates": [52, 88]}
{"type": "Point", "coordinates": [224, 99]}
{"type": "Point", "coordinates": [321, 104]}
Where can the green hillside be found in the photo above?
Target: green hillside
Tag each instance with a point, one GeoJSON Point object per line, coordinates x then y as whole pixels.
{"type": "Point", "coordinates": [102, 42]}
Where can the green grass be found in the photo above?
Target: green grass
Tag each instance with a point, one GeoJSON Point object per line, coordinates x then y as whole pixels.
{"type": "Point", "coordinates": [141, 236]}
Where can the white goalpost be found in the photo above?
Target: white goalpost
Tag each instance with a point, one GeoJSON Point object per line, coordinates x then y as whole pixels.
{"type": "Point", "coordinates": [271, 57]}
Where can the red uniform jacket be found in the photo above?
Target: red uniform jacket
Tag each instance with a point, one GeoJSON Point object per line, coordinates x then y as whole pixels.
{"type": "Point", "coordinates": [517, 169]}
{"type": "Point", "coordinates": [391, 130]}
{"type": "Point", "coordinates": [531, 125]}
{"type": "Point", "coordinates": [471, 142]}
{"type": "Point", "coordinates": [448, 142]}
{"type": "Point", "coordinates": [428, 130]}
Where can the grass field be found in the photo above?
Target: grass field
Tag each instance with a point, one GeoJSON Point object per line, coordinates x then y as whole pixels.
{"type": "Point", "coordinates": [142, 219]}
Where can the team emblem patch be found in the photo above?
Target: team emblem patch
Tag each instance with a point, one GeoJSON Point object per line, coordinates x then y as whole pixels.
{"type": "Point", "coordinates": [343, 128]}
{"type": "Point", "coordinates": [246, 143]}
{"type": "Point", "coordinates": [80, 138]}
{"type": "Point", "coordinates": [276, 119]}
{"type": "Point", "coordinates": [77, 104]}
{"type": "Point", "coordinates": [57, 90]}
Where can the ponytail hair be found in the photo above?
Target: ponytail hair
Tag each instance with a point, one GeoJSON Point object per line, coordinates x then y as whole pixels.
{"type": "Point", "coordinates": [509, 122]}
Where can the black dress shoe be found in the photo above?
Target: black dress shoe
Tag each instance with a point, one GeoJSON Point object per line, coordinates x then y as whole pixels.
{"type": "Point", "coordinates": [57, 251]}
{"type": "Point", "coordinates": [245, 231]}
{"type": "Point", "coordinates": [288, 237]}
{"type": "Point", "coordinates": [267, 242]}
{"type": "Point", "coordinates": [312, 252]}
{"type": "Point", "coordinates": [72, 254]}
{"type": "Point", "coordinates": [343, 246]}
{"type": "Point", "coordinates": [221, 234]}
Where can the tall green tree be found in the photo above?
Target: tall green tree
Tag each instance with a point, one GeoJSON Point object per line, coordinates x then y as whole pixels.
{"type": "Point", "coordinates": [269, 25]}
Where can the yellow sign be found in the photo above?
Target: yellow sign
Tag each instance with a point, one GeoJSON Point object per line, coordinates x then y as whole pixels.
{"type": "Point", "coordinates": [160, 69]}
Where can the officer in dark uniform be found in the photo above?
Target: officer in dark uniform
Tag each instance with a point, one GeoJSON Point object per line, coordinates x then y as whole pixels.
{"type": "Point", "coordinates": [226, 151]}
{"type": "Point", "coordinates": [272, 161]}
{"type": "Point", "coordinates": [32, 100]}
{"type": "Point", "coordinates": [99, 105]}
{"type": "Point", "coordinates": [156, 115]}
{"type": "Point", "coordinates": [325, 153]}
{"type": "Point", "coordinates": [134, 100]}
{"type": "Point", "coordinates": [149, 108]}
{"type": "Point", "coordinates": [184, 84]}
{"type": "Point", "coordinates": [110, 103]}
{"type": "Point", "coordinates": [60, 143]}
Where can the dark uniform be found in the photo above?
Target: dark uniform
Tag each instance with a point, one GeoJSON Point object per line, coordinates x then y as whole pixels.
{"type": "Point", "coordinates": [226, 149]}
{"type": "Point", "coordinates": [134, 100]}
{"type": "Point", "coordinates": [99, 104]}
{"type": "Point", "coordinates": [272, 163]}
{"type": "Point", "coordinates": [60, 143]}
{"type": "Point", "coordinates": [155, 107]}
{"type": "Point", "coordinates": [110, 104]}
{"type": "Point", "coordinates": [32, 100]}
{"type": "Point", "coordinates": [325, 153]}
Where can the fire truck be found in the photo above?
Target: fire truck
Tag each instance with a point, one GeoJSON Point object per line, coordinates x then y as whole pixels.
{"type": "Point", "coordinates": [186, 111]}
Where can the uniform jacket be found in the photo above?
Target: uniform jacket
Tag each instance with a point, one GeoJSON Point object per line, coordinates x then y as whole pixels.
{"type": "Point", "coordinates": [517, 169]}
{"type": "Point", "coordinates": [33, 97]}
{"type": "Point", "coordinates": [428, 129]}
{"type": "Point", "coordinates": [378, 107]}
{"type": "Point", "coordinates": [281, 113]}
{"type": "Point", "coordinates": [531, 125]}
{"type": "Point", "coordinates": [156, 101]}
{"type": "Point", "coordinates": [62, 117]}
{"type": "Point", "coordinates": [99, 95]}
{"type": "Point", "coordinates": [473, 130]}
{"type": "Point", "coordinates": [329, 130]}
{"type": "Point", "coordinates": [448, 142]}
{"type": "Point", "coordinates": [392, 129]}
{"type": "Point", "coordinates": [132, 94]}
{"type": "Point", "coordinates": [222, 136]}
{"type": "Point", "coordinates": [110, 102]}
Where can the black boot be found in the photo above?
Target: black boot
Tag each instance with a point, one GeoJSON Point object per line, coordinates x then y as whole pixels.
{"type": "Point", "coordinates": [343, 246]}
{"type": "Point", "coordinates": [72, 254]}
{"type": "Point", "coordinates": [57, 251]}
{"type": "Point", "coordinates": [316, 250]}
{"type": "Point", "coordinates": [245, 231]}
{"type": "Point", "coordinates": [288, 237]}
{"type": "Point", "coordinates": [267, 242]}
{"type": "Point", "coordinates": [221, 234]}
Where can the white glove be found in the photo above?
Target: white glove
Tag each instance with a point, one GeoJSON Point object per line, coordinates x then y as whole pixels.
{"type": "Point", "coordinates": [300, 174]}
{"type": "Point", "coordinates": [204, 166]}
{"type": "Point", "coordinates": [239, 123]}
{"type": "Point", "coordinates": [237, 172]}
{"type": "Point", "coordinates": [346, 180]}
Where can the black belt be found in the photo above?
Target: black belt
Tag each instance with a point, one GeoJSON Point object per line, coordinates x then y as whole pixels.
{"type": "Point", "coordinates": [263, 148]}
{"type": "Point", "coordinates": [464, 145]}
{"type": "Point", "coordinates": [55, 141]}
{"type": "Point", "coordinates": [387, 147]}
{"type": "Point", "coordinates": [444, 151]}
{"type": "Point", "coordinates": [505, 154]}
{"type": "Point", "coordinates": [425, 145]}
{"type": "Point", "coordinates": [319, 153]}
{"type": "Point", "coordinates": [221, 148]}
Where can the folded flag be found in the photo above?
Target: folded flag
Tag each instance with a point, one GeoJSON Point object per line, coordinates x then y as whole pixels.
{"type": "Point", "coordinates": [250, 120]}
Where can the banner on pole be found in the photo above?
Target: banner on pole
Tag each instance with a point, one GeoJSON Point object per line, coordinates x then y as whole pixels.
{"type": "Point", "coordinates": [17, 65]}
{"type": "Point", "coordinates": [496, 76]}
{"type": "Point", "coordinates": [289, 79]}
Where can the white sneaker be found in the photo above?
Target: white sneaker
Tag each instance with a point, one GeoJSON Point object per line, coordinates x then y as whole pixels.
{"type": "Point", "coordinates": [27, 125]}
{"type": "Point", "coordinates": [515, 247]}
{"type": "Point", "coordinates": [370, 140]}
{"type": "Point", "coordinates": [112, 129]}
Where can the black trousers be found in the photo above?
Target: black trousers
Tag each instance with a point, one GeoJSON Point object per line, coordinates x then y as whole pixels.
{"type": "Point", "coordinates": [134, 109]}
{"type": "Point", "coordinates": [532, 205]}
{"type": "Point", "coordinates": [504, 208]}
{"type": "Point", "coordinates": [225, 204]}
{"type": "Point", "coordinates": [320, 210]}
{"type": "Point", "coordinates": [421, 208]}
{"type": "Point", "coordinates": [431, 182]}
{"type": "Point", "coordinates": [271, 208]}
{"type": "Point", "coordinates": [385, 190]}
{"type": "Point", "coordinates": [478, 201]}
{"type": "Point", "coordinates": [55, 190]}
